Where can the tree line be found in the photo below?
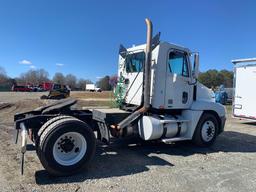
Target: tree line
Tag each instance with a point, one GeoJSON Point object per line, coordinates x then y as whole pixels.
{"type": "Point", "coordinates": [211, 78]}
{"type": "Point", "coordinates": [39, 76]}
{"type": "Point", "coordinates": [214, 78]}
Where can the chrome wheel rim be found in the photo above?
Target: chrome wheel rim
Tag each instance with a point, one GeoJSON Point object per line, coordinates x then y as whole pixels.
{"type": "Point", "coordinates": [208, 131]}
{"type": "Point", "coordinates": [69, 148]}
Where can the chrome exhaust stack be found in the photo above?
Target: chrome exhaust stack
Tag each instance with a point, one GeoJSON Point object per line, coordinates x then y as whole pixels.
{"type": "Point", "coordinates": [145, 104]}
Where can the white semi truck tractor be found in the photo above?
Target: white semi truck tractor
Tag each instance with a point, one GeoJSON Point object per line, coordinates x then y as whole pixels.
{"type": "Point", "coordinates": [159, 98]}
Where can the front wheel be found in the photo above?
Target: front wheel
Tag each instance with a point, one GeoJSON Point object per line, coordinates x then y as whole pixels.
{"type": "Point", "coordinates": [66, 146]}
{"type": "Point", "coordinates": [206, 130]}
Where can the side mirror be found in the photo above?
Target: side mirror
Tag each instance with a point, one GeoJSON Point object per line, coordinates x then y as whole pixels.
{"type": "Point", "coordinates": [196, 66]}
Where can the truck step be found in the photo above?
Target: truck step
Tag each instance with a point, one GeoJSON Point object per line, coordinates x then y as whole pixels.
{"type": "Point", "coordinates": [174, 121]}
{"type": "Point", "coordinates": [170, 140]}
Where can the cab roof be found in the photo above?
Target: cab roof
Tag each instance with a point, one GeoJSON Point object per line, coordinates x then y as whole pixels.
{"type": "Point", "coordinates": [171, 45]}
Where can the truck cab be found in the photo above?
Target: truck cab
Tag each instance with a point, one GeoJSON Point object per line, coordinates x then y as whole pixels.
{"type": "Point", "coordinates": [177, 100]}
{"type": "Point", "coordinates": [174, 85]}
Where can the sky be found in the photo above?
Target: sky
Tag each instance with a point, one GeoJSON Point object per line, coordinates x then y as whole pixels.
{"type": "Point", "coordinates": [82, 37]}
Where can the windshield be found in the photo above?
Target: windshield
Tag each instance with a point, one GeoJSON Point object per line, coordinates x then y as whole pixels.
{"type": "Point", "coordinates": [135, 62]}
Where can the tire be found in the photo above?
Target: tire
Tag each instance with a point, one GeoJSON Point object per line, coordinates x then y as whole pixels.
{"type": "Point", "coordinates": [66, 146]}
{"type": "Point", "coordinates": [42, 129]}
{"type": "Point", "coordinates": [206, 130]}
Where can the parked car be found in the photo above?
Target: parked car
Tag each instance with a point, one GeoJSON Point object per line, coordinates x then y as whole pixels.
{"type": "Point", "coordinates": [21, 88]}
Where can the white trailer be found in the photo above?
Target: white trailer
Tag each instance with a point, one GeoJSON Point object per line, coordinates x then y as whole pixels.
{"type": "Point", "coordinates": [244, 105]}
{"type": "Point", "coordinates": [92, 88]}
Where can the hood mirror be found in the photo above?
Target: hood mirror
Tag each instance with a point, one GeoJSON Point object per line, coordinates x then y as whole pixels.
{"type": "Point", "coordinates": [195, 71]}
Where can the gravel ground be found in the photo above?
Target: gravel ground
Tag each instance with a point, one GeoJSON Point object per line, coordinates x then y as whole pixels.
{"type": "Point", "coordinates": [129, 165]}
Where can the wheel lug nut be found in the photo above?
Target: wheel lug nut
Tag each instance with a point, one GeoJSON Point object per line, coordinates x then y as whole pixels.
{"type": "Point", "coordinates": [76, 149]}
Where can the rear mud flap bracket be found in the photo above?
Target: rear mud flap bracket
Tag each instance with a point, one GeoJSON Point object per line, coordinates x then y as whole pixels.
{"type": "Point", "coordinates": [23, 146]}
{"type": "Point", "coordinates": [104, 132]}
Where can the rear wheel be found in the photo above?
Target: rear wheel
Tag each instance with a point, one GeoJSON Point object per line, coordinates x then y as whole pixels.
{"type": "Point", "coordinates": [206, 130]}
{"type": "Point", "coordinates": [69, 148]}
{"type": "Point", "coordinates": [47, 124]}
{"type": "Point", "coordinates": [66, 146]}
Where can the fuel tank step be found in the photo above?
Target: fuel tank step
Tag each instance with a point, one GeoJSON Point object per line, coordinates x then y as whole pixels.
{"type": "Point", "coordinates": [174, 139]}
{"type": "Point", "coordinates": [174, 121]}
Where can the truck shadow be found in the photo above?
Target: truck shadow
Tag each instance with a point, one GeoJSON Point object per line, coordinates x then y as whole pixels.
{"type": "Point", "coordinates": [250, 123]}
{"type": "Point", "coordinates": [127, 158]}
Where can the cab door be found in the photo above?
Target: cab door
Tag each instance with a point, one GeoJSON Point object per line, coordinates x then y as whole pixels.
{"type": "Point", "coordinates": [178, 91]}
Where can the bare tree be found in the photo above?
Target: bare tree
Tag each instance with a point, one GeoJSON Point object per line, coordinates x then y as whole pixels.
{"type": "Point", "coordinates": [2, 71]}
{"type": "Point", "coordinates": [42, 75]}
{"type": "Point", "coordinates": [71, 81]}
{"type": "Point", "coordinates": [3, 76]}
{"type": "Point", "coordinates": [103, 83]}
{"type": "Point", "coordinates": [34, 77]}
{"type": "Point", "coordinates": [59, 78]}
{"type": "Point", "coordinates": [31, 77]}
{"type": "Point", "coordinates": [113, 80]}
{"type": "Point", "coordinates": [81, 84]}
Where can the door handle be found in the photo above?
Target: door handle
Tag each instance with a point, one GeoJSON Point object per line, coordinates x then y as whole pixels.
{"type": "Point", "coordinates": [184, 97]}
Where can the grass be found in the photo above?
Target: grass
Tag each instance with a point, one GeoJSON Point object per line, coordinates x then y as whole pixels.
{"type": "Point", "coordinates": [94, 99]}
{"type": "Point", "coordinates": [92, 95]}
{"type": "Point", "coordinates": [229, 108]}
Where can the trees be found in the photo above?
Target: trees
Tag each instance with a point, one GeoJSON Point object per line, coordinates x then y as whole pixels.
{"type": "Point", "coordinates": [81, 84]}
{"type": "Point", "coordinates": [209, 78]}
{"type": "Point", "coordinates": [103, 83]}
{"type": "Point", "coordinates": [5, 81]}
{"type": "Point", "coordinates": [113, 80]}
{"type": "Point", "coordinates": [228, 78]}
{"type": "Point", "coordinates": [34, 77]}
{"type": "Point", "coordinates": [58, 78]}
{"type": "Point", "coordinates": [3, 76]}
{"type": "Point", "coordinates": [4, 84]}
{"type": "Point", "coordinates": [214, 78]}
{"type": "Point", "coordinates": [2, 71]}
{"type": "Point", "coordinates": [71, 81]}
{"type": "Point", "coordinates": [42, 75]}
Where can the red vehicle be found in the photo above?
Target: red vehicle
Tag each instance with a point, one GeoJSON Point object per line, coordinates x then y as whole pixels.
{"type": "Point", "coordinates": [46, 86]}
{"type": "Point", "coordinates": [21, 88]}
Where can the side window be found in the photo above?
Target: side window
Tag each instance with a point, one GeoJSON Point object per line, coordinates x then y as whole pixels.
{"type": "Point", "coordinates": [134, 62]}
{"type": "Point", "coordinates": [177, 63]}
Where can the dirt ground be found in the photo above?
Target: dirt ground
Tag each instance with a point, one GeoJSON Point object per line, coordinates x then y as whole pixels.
{"type": "Point", "coordinates": [228, 165]}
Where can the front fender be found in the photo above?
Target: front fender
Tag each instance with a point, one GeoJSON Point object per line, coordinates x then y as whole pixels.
{"type": "Point", "coordinates": [209, 106]}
